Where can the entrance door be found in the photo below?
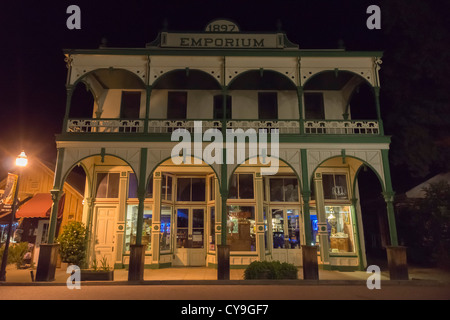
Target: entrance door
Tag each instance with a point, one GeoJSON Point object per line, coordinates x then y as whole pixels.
{"type": "Point", "coordinates": [190, 241]}
{"type": "Point", "coordinates": [104, 235]}
{"type": "Point", "coordinates": [286, 235]}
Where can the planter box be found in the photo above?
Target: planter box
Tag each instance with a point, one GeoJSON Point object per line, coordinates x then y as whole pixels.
{"type": "Point", "coordinates": [91, 275]}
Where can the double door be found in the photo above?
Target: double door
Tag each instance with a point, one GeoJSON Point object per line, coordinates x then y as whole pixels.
{"type": "Point", "coordinates": [190, 248]}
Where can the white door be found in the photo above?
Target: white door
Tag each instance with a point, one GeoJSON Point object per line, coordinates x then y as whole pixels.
{"type": "Point", "coordinates": [190, 237]}
{"type": "Point", "coordinates": [104, 235]}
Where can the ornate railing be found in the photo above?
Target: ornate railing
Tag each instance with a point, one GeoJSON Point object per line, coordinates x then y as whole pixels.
{"type": "Point", "coordinates": [313, 127]}
{"type": "Point", "coordinates": [105, 125]}
{"type": "Point", "coordinates": [345, 127]}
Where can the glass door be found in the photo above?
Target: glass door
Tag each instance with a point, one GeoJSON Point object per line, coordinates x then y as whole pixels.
{"type": "Point", "coordinates": [190, 236]}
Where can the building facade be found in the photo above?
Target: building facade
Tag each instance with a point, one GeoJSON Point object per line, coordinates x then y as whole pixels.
{"type": "Point", "coordinates": [139, 195]}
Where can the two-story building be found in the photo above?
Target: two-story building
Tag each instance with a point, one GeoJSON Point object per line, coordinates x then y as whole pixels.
{"type": "Point", "coordinates": [143, 207]}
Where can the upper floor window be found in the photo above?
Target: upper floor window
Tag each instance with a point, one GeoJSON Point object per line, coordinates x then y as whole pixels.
{"type": "Point", "coordinates": [177, 105]}
{"type": "Point", "coordinates": [335, 186]}
{"type": "Point", "coordinates": [267, 105]}
{"type": "Point", "coordinates": [218, 107]}
{"type": "Point", "coordinates": [130, 104]}
{"type": "Point", "coordinates": [314, 107]}
{"type": "Point", "coordinates": [107, 185]}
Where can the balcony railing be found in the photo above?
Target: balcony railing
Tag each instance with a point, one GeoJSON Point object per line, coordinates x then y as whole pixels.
{"type": "Point", "coordinates": [345, 127]}
{"type": "Point", "coordinates": [310, 127]}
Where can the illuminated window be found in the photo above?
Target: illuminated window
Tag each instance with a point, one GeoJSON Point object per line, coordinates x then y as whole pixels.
{"type": "Point", "coordinates": [335, 186]}
{"type": "Point", "coordinates": [241, 234]}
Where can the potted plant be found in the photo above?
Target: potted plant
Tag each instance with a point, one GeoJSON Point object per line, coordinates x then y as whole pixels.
{"type": "Point", "coordinates": [98, 271]}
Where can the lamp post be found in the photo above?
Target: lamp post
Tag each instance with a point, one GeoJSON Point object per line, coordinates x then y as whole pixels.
{"type": "Point", "coordinates": [21, 161]}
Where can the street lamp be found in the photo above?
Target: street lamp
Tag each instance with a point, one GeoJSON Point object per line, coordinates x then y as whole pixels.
{"type": "Point", "coordinates": [21, 161]}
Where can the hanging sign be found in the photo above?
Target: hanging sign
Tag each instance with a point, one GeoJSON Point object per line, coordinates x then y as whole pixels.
{"type": "Point", "coordinates": [8, 196]}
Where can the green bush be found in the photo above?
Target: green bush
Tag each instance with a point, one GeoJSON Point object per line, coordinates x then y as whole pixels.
{"type": "Point", "coordinates": [72, 243]}
{"type": "Point", "coordinates": [16, 252]}
{"type": "Point", "coordinates": [270, 270]}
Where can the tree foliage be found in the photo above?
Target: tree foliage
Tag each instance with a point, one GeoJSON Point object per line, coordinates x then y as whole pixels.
{"type": "Point", "coordinates": [425, 227]}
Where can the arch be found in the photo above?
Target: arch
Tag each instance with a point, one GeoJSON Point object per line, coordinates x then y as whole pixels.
{"type": "Point", "coordinates": [363, 162]}
{"type": "Point", "coordinates": [355, 92]}
{"type": "Point", "coordinates": [75, 163]}
{"type": "Point", "coordinates": [118, 71]}
{"type": "Point", "coordinates": [185, 76]}
{"type": "Point", "coordinates": [331, 71]}
{"type": "Point", "coordinates": [259, 73]}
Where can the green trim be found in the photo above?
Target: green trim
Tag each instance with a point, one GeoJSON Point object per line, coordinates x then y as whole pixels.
{"type": "Point", "coordinates": [56, 195]}
{"type": "Point", "coordinates": [141, 195]}
{"type": "Point", "coordinates": [306, 193]}
{"type": "Point", "coordinates": [166, 137]}
{"type": "Point", "coordinates": [341, 268]}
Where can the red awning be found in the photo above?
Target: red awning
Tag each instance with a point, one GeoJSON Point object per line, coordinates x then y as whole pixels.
{"type": "Point", "coordinates": [39, 206]}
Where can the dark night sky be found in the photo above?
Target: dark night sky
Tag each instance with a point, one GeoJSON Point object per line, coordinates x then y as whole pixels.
{"type": "Point", "coordinates": [33, 35]}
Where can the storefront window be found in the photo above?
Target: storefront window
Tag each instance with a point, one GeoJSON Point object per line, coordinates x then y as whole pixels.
{"type": "Point", "coordinates": [241, 228]}
{"type": "Point", "coordinates": [131, 222]}
{"type": "Point", "coordinates": [166, 219]}
{"type": "Point", "coordinates": [314, 226]}
{"type": "Point", "coordinates": [339, 229]}
{"type": "Point", "coordinates": [166, 187]}
{"type": "Point", "coordinates": [191, 189]}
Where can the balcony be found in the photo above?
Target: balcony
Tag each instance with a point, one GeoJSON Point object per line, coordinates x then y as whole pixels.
{"type": "Point", "coordinates": [310, 127]}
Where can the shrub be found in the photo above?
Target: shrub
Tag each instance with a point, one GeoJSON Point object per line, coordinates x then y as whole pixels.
{"type": "Point", "coordinates": [270, 270]}
{"type": "Point", "coordinates": [16, 252]}
{"type": "Point", "coordinates": [72, 243]}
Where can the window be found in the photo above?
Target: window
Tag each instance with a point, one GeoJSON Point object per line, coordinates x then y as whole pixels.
{"type": "Point", "coordinates": [335, 186]}
{"type": "Point", "coordinates": [133, 187]}
{"type": "Point", "coordinates": [241, 228]}
{"type": "Point", "coordinates": [286, 228]}
{"type": "Point", "coordinates": [241, 186]}
{"type": "Point", "coordinates": [212, 229]}
{"type": "Point", "coordinates": [212, 188]}
{"type": "Point", "coordinates": [284, 190]}
{"type": "Point", "coordinates": [314, 108]}
{"type": "Point", "coordinates": [166, 219]}
{"type": "Point", "coordinates": [131, 222]}
{"type": "Point", "coordinates": [267, 105]}
{"type": "Point", "coordinates": [177, 105]}
{"type": "Point", "coordinates": [166, 187]}
{"type": "Point", "coordinates": [130, 105]}
{"type": "Point", "coordinates": [107, 185]}
{"type": "Point", "coordinates": [191, 189]}
{"type": "Point", "coordinates": [339, 229]}
{"type": "Point", "coordinates": [218, 107]}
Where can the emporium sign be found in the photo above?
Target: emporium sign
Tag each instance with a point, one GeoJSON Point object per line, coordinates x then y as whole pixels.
{"type": "Point", "coordinates": [222, 34]}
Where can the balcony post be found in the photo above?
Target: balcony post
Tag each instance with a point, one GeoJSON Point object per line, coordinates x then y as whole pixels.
{"type": "Point", "coordinates": [148, 92]}
{"type": "Point", "coordinates": [376, 91]}
{"type": "Point", "coordinates": [306, 193]}
{"type": "Point", "coordinates": [300, 109]}
{"type": "Point", "coordinates": [69, 91]}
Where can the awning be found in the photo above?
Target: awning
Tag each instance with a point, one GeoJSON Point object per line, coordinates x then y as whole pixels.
{"type": "Point", "coordinates": [39, 206]}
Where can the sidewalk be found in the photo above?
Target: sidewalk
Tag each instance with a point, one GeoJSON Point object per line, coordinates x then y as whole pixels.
{"type": "Point", "coordinates": [23, 276]}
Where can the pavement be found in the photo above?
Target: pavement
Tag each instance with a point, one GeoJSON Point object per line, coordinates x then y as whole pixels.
{"type": "Point", "coordinates": [197, 286]}
{"type": "Point", "coordinates": [192, 274]}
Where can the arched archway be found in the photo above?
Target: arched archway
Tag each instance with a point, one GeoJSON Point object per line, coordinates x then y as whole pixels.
{"type": "Point", "coordinates": [341, 220]}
